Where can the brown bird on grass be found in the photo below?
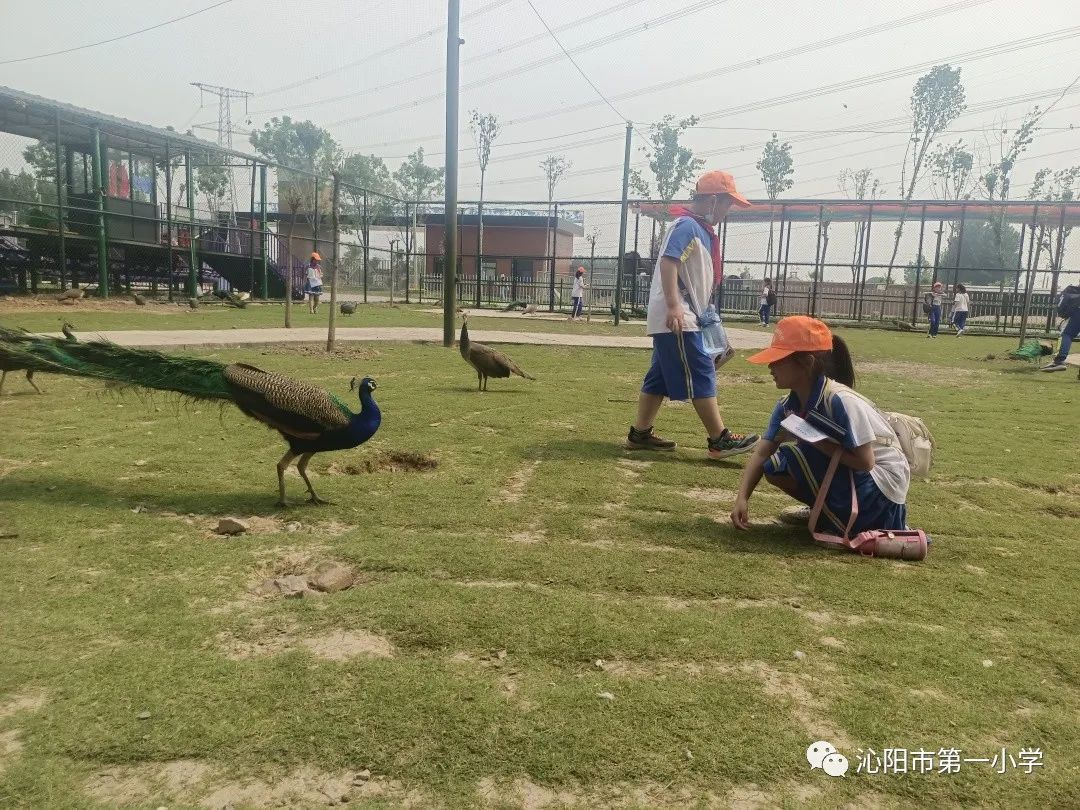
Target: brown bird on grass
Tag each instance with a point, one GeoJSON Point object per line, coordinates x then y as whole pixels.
{"type": "Point", "coordinates": [487, 361]}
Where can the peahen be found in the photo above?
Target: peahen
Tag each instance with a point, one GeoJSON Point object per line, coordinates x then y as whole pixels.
{"type": "Point", "coordinates": [487, 361]}
{"type": "Point", "coordinates": [6, 366]}
{"type": "Point", "coordinates": [310, 419]}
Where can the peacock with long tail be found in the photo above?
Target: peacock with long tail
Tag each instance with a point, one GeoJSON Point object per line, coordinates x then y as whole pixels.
{"type": "Point", "coordinates": [310, 419]}
{"type": "Point", "coordinates": [487, 361]}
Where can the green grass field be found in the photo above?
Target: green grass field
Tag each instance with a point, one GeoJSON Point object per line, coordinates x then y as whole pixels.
{"type": "Point", "coordinates": [541, 620]}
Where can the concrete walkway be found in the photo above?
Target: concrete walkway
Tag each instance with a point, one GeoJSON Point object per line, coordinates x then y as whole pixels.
{"type": "Point", "coordinates": [740, 338]}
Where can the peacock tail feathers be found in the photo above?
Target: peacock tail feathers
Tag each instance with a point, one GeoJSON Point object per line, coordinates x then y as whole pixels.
{"type": "Point", "coordinates": [199, 379]}
{"type": "Point", "coordinates": [287, 394]}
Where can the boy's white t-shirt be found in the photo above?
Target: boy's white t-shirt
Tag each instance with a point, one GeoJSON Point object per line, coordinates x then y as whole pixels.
{"type": "Point", "coordinates": [961, 303]}
{"type": "Point", "coordinates": [688, 243]}
{"type": "Point", "coordinates": [314, 276]}
{"type": "Point", "coordinates": [764, 297]}
{"type": "Point", "coordinates": [579, 287]}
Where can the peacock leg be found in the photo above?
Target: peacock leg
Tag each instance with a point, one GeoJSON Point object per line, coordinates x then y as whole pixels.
{"type": "Point", "coordinates": [301, 467]}
{"type": "Point", "coordinates": [283, 465]}
{"type": "Point", "coordinates": [30, 379]}
{"type": "Point", "coordinates": [479, 381]}
{"type": "Point", "coordinates": [3, 376]}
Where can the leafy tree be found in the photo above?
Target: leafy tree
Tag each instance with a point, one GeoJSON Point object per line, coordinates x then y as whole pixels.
{"type": "Point", "coordinates": [360, 173]}
{"type": "Point", "coordinates": [418, 181]}
{"type": "Point", "coordinates": [299, 145]}
{"type": "Point", "coordinates": [951, 171]}
{"type": "Point", "coordinates": [912, 271]}
{"type": "Point", "coordinates": [937, 100]}
{"type": "Point", "coordinates": [672, 164]}
{"type": "Point", "coordinates": [980, 260]}
{"type": "Point", "coordinates": [776, 167]}
{"type": "Point", "coordinates": [485, 129]}
{"type": "Point", "coordinates": [997, 179]}
{"type": "Point", "coordinates": [18, 192]}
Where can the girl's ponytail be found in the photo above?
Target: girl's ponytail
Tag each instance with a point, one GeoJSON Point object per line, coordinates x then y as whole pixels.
{"type": "Point", "coordinates": [838, 363]}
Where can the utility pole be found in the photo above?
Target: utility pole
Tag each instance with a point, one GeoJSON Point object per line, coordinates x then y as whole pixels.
{"type": "Point", "coordinates": [450, 234]}
{"type": "Point", "coordinates": [622, 223]}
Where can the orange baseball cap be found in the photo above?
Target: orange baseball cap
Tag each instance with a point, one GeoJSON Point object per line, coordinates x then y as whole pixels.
{"type": "Point", "coordinates": [796, 333]}
{"type": "Point", "coordinates": [718, 182]}
{"type": "Point", "coordinates": [316, 257]}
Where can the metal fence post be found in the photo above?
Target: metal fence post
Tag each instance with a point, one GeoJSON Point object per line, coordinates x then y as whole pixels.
{"type": "Point", "coordinates": [959, 244]}
{"type": "Point", "coordinates": [817, 266]}
{"type": "Point", "coordinates": [623, 211]}
{"type": "Point", "coordinates": [787, 258]}
{"type": "Point", "coordinates": [865, 259]}
{"type": "Point", "coordinates": [1059, 260]}
{"type": "Point", "coordinates": [554, 250]}
{"type": "Point", "coordinates": [251, 234]}
{"type": "Point", "coordinates": [409, 236]}
{"type": "Point", "coordinates": [918, 266]}
{"type": "Point", "coordinates": [193, 269]}
{"type": "Point", "coordinates": [61, 201]}
{"type": "Point", "coordinates": [1029, 281]}
{"type": "Point", "coordinates": [169, 253]}
{"type": "Point", "coordinates": [1019, 271]}
{"type": "Point", "coordinates": [102, 233]}
{"type": "Point", "coordinates": [367, 240]}
{"type": "Point", "coordinates": [264, 236]}
{"type": "Point", "coordinates": [336, 258]}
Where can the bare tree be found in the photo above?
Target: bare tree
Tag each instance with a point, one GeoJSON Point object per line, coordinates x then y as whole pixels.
{"type": "Point", "coordinates": [294, 194]}
{"type": "Point", "coordinates": [937, 100]}
{"type": "Point", "coordinates": [554, 166]}
{"type": "Point", "coordinates": [591, 238]}
{"type": "Point", "coordinates": [858, 185]}
{"type": "Point", "coordinates": [485, 129]}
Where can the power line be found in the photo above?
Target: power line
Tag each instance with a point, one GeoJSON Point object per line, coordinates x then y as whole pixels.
{"type": "Point", "coordinates": [377, 54]}
{"type": "Point", "coordinates": [117, 38]}
{"type": "Point", "coordinates": [713, 73]}
{"type": "Point", "coordinates": [607, 39]}
{"type": "Point", "coordinates": [576, 23]}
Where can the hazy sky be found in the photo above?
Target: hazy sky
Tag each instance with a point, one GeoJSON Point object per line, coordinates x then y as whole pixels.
{"type": "Point", "coordinates": [387, 60]}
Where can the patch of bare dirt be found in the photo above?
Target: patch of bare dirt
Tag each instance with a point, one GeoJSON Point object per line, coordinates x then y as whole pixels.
{"type": "Point", "coordinates": [528, 536]}
{"type": "Point", "coordinates": [516, 484]}
{"type": "Point", "coordinates": [386, 461]}
{"type": "Point", "coordinates": [197, 784]}
{"type": "Point", "coordinates": [709, 495]}
{"type": "Point", "coordinates": [342, 351]}
{"type": "Point", "coordinates": [338, 645]}
{"type": "Point", "coordinates": [920, 371]}
{"type": "Point", "coordinates": [10, 747]}
{"type": "Point", "coordinates": [830, 641]}
{"type": "Point", "coordinates": [26, 702]}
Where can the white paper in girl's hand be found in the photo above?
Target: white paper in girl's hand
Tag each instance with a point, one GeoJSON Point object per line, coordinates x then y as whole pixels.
{"type": "Point", "coordinates": [800, 428]}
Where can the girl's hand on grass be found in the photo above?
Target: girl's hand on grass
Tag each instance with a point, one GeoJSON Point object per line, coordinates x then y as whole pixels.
{"type": "Point", "coordinates": [740, 514]}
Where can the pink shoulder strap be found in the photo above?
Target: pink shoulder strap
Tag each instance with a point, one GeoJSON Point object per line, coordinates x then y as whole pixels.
{"type": "Point", "coordinates": [819, 502]}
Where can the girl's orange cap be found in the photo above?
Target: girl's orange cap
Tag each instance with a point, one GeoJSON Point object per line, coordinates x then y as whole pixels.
{"type": "Point", "coordinates": [796, 333]}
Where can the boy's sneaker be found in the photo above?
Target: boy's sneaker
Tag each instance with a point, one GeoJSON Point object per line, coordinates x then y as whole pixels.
{"type": "Point", "coordinates": [647, 440]}
{"type": "Point", "coordinates": [731, 444]}
{"type": "Point", "coordinates": [1055, 366]}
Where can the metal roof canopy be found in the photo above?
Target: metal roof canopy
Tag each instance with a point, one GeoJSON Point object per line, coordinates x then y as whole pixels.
{"type": "Point", "coordinates": [33, 116]}
{"type": "Point", "coordinates": [508, 221]}
{"type": "Point", "coordinates": [1018, 212]}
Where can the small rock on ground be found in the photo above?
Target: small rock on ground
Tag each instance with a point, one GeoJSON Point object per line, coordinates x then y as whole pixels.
{"type": "Point", "coordinates": [231, 526]}
{"type": "Point", "coordinates": [331, 577]}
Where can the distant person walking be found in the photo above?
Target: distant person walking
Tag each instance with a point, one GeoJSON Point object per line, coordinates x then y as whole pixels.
{"type": "Point", "coordinates": [934, 299]}
{"type": "Point", "coordinates": [682, 283]}
{"type": "Point", "coordinates": [766, 302]}
{"type": "Point", "coordinates": [313, 285]}
{"type": "Point", "coordinates": [578, 294]}
{"type": "Point", "coordinates": [961, 305]}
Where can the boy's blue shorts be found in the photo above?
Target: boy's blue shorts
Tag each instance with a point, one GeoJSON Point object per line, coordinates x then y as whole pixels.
{"type": "Point", "coordinates": [681, 368]}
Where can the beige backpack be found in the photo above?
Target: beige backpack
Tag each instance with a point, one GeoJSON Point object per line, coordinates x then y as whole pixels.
{"type": "Point", "coordinates": [914, 437]}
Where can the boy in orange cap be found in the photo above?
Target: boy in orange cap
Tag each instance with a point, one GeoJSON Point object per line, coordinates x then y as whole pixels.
{"type": "Point", "coordinates": [686, 272]}
{"type": "Point", "coordinates": [815, 367]}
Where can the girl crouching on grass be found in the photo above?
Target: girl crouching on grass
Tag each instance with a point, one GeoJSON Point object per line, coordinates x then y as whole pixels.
{"type": "Point", "coordinates": [807, 360]}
